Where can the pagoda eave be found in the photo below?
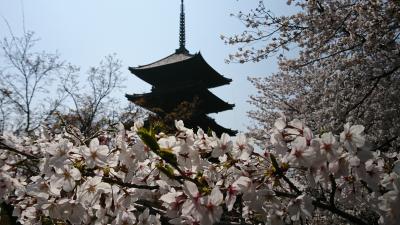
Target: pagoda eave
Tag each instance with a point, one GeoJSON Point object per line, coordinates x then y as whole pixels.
{"type": "Point", "coordinates": [205, 123]}
{"type": "Point", "coordinates": [176, 69]}
{"type": "Point", "coordinates": [206, 103]}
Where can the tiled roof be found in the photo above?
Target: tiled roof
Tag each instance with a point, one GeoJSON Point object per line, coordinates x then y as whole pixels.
{"type": "Point", "coordinates": [176, 57]}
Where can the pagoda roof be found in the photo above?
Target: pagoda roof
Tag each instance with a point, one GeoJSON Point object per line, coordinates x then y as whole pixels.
{"type": "Point", "coordinates": [173, 58]}
{"type": "Point", "coordinates": [205, 122]}
{"type": "Point", "coordinates": [169, 99]}
{"type": "Point", "coordinates": [180, 67]}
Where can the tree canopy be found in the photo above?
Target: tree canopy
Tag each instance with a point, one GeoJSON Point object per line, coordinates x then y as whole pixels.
{"type": "Point", "coordinates": [346, 70]}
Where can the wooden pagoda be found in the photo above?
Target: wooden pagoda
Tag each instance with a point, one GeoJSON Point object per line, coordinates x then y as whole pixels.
{"type": "Point", "coordinates": [183, 77]}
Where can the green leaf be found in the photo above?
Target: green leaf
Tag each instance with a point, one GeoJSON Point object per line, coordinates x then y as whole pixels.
{"type": "Point", "coordinates": [167, 170]}
{"type": "Point", "coordinates": [149, 139]}
{"type": "Point", "coordinates": [168, 156]}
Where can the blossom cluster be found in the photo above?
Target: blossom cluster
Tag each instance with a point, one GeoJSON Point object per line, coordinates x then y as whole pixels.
{"type": "Point", "coordinates": [140, 177]}
{"type": "Point", "coordinates": [345, 66]}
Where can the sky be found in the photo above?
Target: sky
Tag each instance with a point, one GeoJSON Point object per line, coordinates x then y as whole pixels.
{"type": "Point", "coordinates": [141, 32]}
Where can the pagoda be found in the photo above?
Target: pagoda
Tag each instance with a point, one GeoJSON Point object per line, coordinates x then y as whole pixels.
{"type": "Point", "coordinates": [183, 78]}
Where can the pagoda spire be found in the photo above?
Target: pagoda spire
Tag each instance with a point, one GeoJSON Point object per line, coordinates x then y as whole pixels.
{"type": "Point", "coordinates": [182, 33]}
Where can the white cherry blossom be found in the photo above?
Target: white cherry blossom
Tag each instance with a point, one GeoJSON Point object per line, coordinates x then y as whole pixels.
{"type": "Point", "coordinates": [301, 154]}
{"type": "Point", "coordinates": [224, 144]}
{"type": "Point", "coordinates": [212, 210]}
{"type": "Point", "coordinates": [191, 206]}
{"type": "Point", "coordinates": [237, 187]}
{"type": "Point", "coordinates": [241, 147]}
{"type": "Point", "coordinates": [65, 178]}
{"type": "Point", "coordinates": [300, 207]}
{"type": "Point", "coordinates": [91, 190]}
{"type": "Point", "coordinates": [329, 147]}
{"type": "Point", "coordinates": [96, 154]}
{"type": "Point", "coordinates": [124, 218]}
{"type": "Point", "coordinates": [352, 137]}
{"type": "Point", "coordinates": [190, 186]}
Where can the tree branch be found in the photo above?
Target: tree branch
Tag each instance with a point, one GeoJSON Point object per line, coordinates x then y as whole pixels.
{"type": "Point", "coordinates": [129, 185]}
{"type": "Point", "coordinates": [333, 191]}
{"type": "Point", "coordinates": [332, 209]}
{"type": "Point", "coordinates": [11, 149]}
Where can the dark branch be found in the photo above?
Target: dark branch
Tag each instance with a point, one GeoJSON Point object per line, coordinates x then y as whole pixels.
{"type": "Point", "coordinates": [11, 149]}
{"type": "Point", "coordinates": [332, 209]}
{"type": "Point", "coordinates": [128, 185]}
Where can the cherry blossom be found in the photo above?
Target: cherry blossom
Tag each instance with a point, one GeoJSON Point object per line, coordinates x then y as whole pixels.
{"type": "Point", "coordinates": [241, 148]}
{"type": "Point", "coordinates": [237, 187]}
{"type": "Point", "coordinates": [212, 210]}
{"type": "Point", "coordinates": [175, 179]}
{"type": "Point", "coordinates": [146, 219]}
{"type": "Point", "coordinates": [301, 206]}
{"type": "Point", "coordinates": [352, 137]}
{"type": "Point", "coordinates": [191, 207]}
{"type": "Point", "coordinates": [65, 177]}
{"type": "Point", "coordinates": [329, 147]}
{"type": "Point", "coordinates": [338, 62]}
{"type": "Point", "coordinates": [96, 154]}
{"type": "Point", "coordinates": [301, 154]}
{"type": "Point", "coordinates": [91, 190]}
{"type": "Point", "coordinates": [41, 188]}
{"type": "Point", "coordinates": [223, 145]}
{"type": "Point", "coordinates": [124, 218]}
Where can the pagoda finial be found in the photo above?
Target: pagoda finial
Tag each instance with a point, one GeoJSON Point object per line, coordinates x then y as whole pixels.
{"type": "Point", "coordinates": [182, 34]}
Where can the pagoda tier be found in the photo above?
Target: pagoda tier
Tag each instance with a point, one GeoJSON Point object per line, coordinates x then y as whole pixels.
{"type": "Point", "coordinates": [168, 99]}
{"type": "Point", "coordinates": [206, 123]}
{"type": "Point", "coordinates": [180, 69]}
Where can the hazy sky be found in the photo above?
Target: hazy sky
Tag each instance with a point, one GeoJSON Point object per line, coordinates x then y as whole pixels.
{"type": "Point", "coordinates": [143, 31]}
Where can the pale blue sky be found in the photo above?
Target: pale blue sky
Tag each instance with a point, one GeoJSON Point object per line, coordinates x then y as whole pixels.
{"type": "Point", "coordinates": [142, 31]}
